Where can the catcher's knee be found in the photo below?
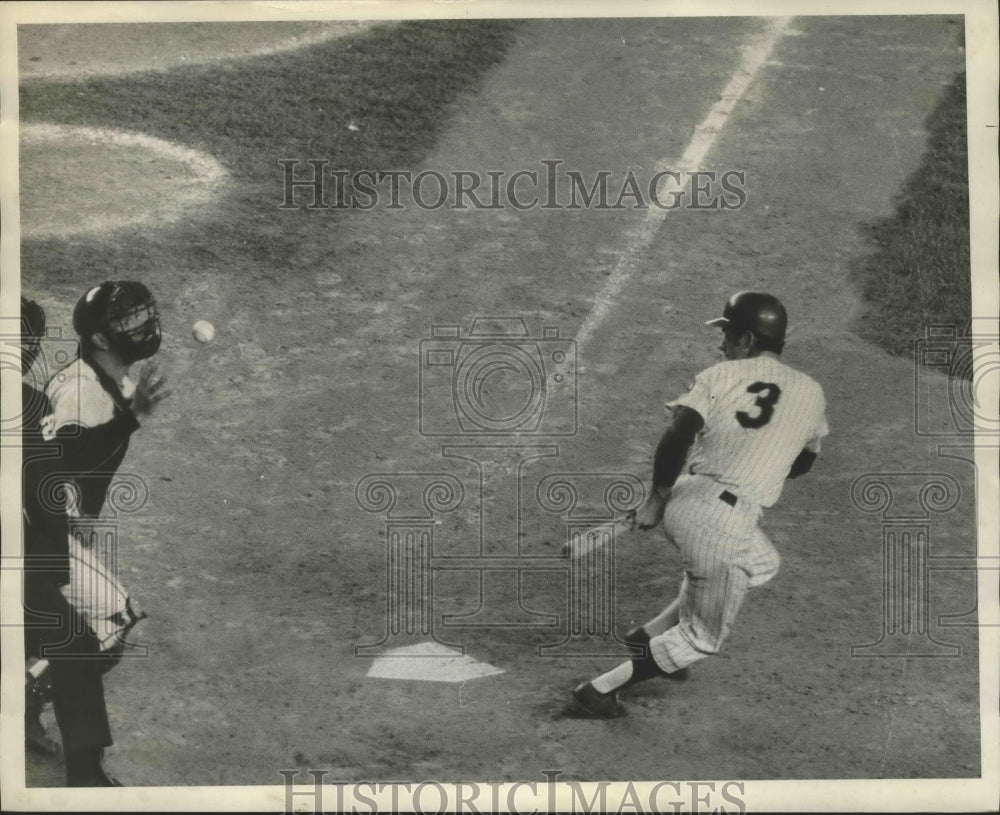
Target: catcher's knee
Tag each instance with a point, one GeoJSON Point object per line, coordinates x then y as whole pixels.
{"type": "Point", "coordinates": [125, 622]}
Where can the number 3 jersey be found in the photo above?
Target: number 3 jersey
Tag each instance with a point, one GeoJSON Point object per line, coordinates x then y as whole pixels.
{"type": "Point", "coordinates": [759, 415]}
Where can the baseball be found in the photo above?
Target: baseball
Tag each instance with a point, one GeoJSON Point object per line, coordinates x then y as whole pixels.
{"type": "Point", "coordinates": [203, 331]}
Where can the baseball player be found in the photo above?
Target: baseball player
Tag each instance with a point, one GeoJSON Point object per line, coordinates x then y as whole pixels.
{"type": "Point", "coordinates": [94, 409]}
{"type": "Point", "coordinates": [742, 428]}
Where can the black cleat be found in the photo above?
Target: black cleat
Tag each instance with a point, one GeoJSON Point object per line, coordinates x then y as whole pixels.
{"type": "Point", "coordinates": [638, 638]}
{"type": "Point", "coordinates": [594, 705]}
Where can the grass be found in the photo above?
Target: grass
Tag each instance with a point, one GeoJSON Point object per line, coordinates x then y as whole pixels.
{"type": "Point", "coordinates": [919, 272]}
{"type": "Point", "coordinates": [397, 84]}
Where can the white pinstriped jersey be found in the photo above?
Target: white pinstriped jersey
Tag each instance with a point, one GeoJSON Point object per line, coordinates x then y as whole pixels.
{"type": "Point", "coordinates": [759, 415]}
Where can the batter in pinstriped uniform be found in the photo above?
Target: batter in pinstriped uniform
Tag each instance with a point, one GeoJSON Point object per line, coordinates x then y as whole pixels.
{"type": "Point", "coordinates": [742, 428]}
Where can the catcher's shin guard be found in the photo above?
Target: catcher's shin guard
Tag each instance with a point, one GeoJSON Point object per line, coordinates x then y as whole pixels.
{"type": "Point", "coordinates": [96, 593]}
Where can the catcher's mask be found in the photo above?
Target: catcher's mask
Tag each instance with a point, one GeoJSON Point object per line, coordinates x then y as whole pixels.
{"type": "Point", "coordinates": [124, 313]}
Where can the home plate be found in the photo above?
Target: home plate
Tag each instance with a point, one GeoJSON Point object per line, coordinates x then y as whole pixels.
{"type": "Point", "coordinates": [429, 662]}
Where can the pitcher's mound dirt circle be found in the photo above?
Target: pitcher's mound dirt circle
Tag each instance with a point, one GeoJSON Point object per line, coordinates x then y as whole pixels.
{"type": "Point", "coordinates": [77, 180]}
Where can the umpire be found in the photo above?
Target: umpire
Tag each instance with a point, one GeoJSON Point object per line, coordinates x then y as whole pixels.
{"type": "Point", "coordinates": [53, 629]}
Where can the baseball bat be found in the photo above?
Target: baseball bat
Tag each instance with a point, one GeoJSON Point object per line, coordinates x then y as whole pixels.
{"type": "Point", "coordinates": [597, 537]}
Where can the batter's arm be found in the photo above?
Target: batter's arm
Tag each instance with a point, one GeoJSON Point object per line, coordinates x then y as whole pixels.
{"type": "Point", "coordinates": [671, 453]}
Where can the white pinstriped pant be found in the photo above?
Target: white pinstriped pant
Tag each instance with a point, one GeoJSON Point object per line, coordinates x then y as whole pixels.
{"type": "Point", "coordinates": [724, 554]}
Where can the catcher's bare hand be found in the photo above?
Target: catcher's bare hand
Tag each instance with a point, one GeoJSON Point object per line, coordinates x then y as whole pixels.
{"type": "Point", "coordinates": [150, 390]}
{"type": "Point", "coordinates": [651, 512]}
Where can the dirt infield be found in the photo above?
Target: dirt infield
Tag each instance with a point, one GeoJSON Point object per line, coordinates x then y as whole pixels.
{"type": "Point", "coordinates": [262, 571]}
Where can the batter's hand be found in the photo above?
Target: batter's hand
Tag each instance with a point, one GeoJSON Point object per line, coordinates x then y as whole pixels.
{"type": "Point", "coordinates": [149, 390]}
{"type": "Point", "coordinates": [650, 514]}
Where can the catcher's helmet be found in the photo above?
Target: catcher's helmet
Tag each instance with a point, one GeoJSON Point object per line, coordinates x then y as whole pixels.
{"type": "Point", "coordinates": [124, 313]}
{"type": "Point", "coordinates": [754, 311]}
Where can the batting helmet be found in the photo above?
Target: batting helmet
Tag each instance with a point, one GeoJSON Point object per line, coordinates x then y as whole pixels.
{"type": "Point", "coordinates": [754, 311]}
{"type": "Point", "coordinates": [124, 313]}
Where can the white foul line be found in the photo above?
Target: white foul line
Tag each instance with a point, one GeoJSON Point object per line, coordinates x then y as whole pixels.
{"type": "Point", "coordinates": [755, 55]}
